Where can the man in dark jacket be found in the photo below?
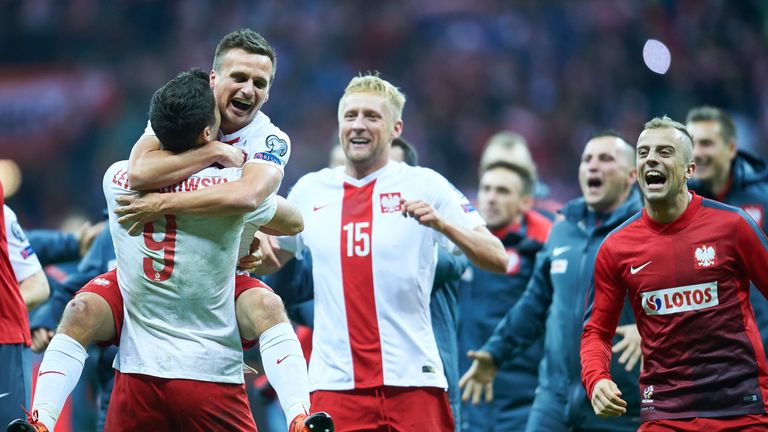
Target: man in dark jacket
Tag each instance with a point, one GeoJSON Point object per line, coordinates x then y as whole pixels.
{"type": "Point", "coordinates": [731, 176]}
{"type": "Point", "coordinates": [504, 198]}
{"type": "Point", "coordinates": [554, 302]}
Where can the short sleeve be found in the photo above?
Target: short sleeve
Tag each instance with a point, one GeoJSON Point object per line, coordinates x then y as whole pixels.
{"type": "Point", "coordinates": [20, 251]}
{"type": "Point", "coordinates": [455, 208]}
{"type": "Point", "coordinates": [273, 149]}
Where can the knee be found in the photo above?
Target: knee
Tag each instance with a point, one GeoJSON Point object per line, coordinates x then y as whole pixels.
{"type": "Point", "coordinates": [81, 319]}
{"type": "Point", "coordinates": [261, 308]}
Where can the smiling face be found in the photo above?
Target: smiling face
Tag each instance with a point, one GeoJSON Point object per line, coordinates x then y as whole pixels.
{"type": "Point", "coordinates": [711, 152]}
{"type": "Point", "coordinates": [664, 164]}
{"type": "Point", "coordinates": [367, 126]}
{"type": "Point", "coordinates": [241, 86]}
{"type": "Point", "coordinates": [606, 173]}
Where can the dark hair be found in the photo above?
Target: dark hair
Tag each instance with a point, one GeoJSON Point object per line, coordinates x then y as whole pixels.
{"type": "Point", "coordinates": [410, 156]}
{"type": "Point", "coordinates": [248, 41]}
{"type": "Point", "coordinates": [181, 110]}
{"type": "Point", "coordinates": [524, 174]}
{"type": "Point", "coordinates": [710, 113]}
{"type": "Point", "coordinates": [628, 149]}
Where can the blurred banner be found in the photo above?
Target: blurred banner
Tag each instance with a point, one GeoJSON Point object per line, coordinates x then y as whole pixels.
{"type": "Point", "coordinates": [42, 112]}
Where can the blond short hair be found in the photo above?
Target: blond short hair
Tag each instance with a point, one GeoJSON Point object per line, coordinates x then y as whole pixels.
{"type": "Point", "coordinates": [665, 122]}
{"type": "Point", "coordinates": [372, 83]}
{"type": "Point", "coordinates": [515, 146]}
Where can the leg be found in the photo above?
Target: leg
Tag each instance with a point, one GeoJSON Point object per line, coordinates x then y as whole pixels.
{"type": "Point", "coordinates": [261, 315]}
{"type": "Point", "coordinates": [417, 409]}
{"type": "Point", "coordinates": [12, 383]}
{"type": "Point", "coordinates": [94, 315]}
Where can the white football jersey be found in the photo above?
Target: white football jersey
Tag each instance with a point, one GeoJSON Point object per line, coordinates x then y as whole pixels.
{"type": "Point", "coordinates": [23, 258]}
{"type": "Point", "coordinates": [177, 282]}
{"type": "Point", "coordinates": [262, 141]}
{"type": "Point", "coordinates": [373, 271]}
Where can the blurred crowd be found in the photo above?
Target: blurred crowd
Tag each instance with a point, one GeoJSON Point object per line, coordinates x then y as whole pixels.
{"type": "Point", "coordinates": [76, 77]}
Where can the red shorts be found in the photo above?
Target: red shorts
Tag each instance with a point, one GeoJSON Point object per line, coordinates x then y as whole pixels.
{"type": "Point", "coordinates": [746, 423]}
{"type": "Point", "coordinates": [387, 408]}
{"type": "Point", "coordinates": [147, 403]}
{"type": "Point", "coordinates": [105, 286]}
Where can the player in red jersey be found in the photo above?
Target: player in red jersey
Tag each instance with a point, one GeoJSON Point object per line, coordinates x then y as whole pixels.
{"type": "Point", "coordinates": [685, 262]}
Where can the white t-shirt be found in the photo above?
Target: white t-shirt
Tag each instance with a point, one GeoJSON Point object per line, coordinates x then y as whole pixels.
{"type": "Point", "coordinates": [23, 258]}
{"type": "Point", "coordinates": [177, 282]}
{"type": "Point", "coordinates": [373, 271]}
{"type": "Point", "coordinates": [262, 141]}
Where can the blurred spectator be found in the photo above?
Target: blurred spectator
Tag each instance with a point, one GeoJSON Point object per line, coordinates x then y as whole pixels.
{"type": "Point", "coordinates": [551, 71]}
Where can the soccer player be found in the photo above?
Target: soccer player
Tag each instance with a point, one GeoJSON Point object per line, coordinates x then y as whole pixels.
{"type": "Point", "coordinates": [23, 286]}
{"type": "Point", "coordinates": [294, 284]}
{"type": "Point", "coordinates": [732, 176]}
{"type": "Point", "coordinates": [242, 74]}
{"type": "Point", "coordinates": [373, 268]}
{"type": "Point", "coordinates": [505, 199]}
{"type": "Point", "coordinates": [555, 299]}
{"type": "Point", "coordinates": [684, 263]}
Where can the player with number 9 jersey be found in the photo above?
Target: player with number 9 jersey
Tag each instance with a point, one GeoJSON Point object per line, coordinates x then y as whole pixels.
{"type": "Point", "coordinates": [177, 281]}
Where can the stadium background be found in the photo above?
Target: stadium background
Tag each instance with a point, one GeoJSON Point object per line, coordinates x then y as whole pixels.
{"type": "Point", "coordinates": [76, 78]}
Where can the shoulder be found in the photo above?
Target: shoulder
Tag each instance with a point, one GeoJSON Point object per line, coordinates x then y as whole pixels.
{"type": "Point", "coordinates": [625, 228]}
{"type": "Point", "coordinates": [317, 179]}
{"type": "Point", "coordinates": [262, 128]}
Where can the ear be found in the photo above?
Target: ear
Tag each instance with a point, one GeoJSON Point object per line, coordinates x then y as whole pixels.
{"type": "Point", "coordinates": [397, 130]}
{"type": "Point", "coordinates": [212, 78]}
{"type": "Point", "coordinates": [206, 135]}
{"type": "Point", "coordinates": [632, 178]}
{"type": "Point", "coordinates": [526, 203]}
{"type": "Point", "coordinates": [731, 148]}
{"type": "Point", "coordinates": [690, 170]}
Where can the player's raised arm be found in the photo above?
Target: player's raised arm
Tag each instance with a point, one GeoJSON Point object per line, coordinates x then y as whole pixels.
{"type": "Point", "coordinates": [150, 167]}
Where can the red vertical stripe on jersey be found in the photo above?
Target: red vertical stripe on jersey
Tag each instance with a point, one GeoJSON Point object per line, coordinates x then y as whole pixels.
{"type": "Point", "coordinates": [357, 279]}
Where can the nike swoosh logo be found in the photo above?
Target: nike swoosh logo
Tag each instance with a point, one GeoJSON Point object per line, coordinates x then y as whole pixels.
{"type": "Point", "coordinates": [560, 250]}
{"type": "Point", "coordinates": [4, 395]}
{"type": "Point", "coordinates": [281, 360]}
{"type": "Point", "coordinates": [318, 207]}
{"type": "Point", "coordinates": [633, 269]}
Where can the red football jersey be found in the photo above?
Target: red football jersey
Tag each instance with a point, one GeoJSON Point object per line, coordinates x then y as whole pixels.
{"type": "Point", "coordinates": [688, 283]}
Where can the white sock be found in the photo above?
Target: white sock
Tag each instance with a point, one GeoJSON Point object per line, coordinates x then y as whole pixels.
{"type": "Point", "coordinates": [59, 372]}
{"type": "Point", "coordinates": [286, 369]}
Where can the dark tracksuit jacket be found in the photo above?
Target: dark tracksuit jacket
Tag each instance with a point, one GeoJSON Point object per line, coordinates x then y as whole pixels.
{"type": "Point", "coordinates": [485, 298]}
{"type": "Point", "coordinates": [554, 304]}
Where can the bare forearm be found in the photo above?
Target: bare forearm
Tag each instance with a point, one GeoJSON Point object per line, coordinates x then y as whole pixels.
{"type": "Point", "coordinates": [286, 221]}
{"type": "Point", "coordinates": [151, 168]}
{"type": "Point", "coordinates": [34, 290]}
{"type": "Point", "coordinates": [480, 246]}
{"type": "Point", "coordinates": [219, 200]}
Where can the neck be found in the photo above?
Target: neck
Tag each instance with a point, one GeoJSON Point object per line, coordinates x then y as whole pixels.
{"type": "Point", "coordinates": [360, 170]}
{"type": "Point", "coordinates": [668, 211]}
{"type": "Point", "coordinates": [719, 185]}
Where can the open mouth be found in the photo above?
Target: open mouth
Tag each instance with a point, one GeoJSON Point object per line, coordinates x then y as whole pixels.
{"type": "Point", "coordinates": [359, 141]}
{"type": "Point", "coordinates": [655, 179]}
{"type": "Point", "coordinates": [594, 184]}
{"type": "Point", "coordinates": [242, 104]}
